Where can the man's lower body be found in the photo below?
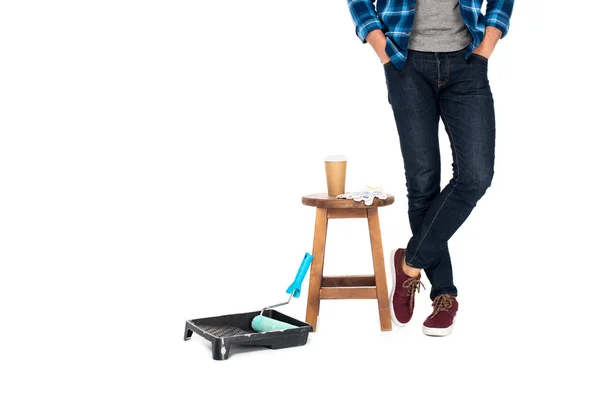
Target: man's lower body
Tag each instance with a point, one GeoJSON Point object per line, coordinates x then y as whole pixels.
{"type": "Point", "coordinates": [433, 86]}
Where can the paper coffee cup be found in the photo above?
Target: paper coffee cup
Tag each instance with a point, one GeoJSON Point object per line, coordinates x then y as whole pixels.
{"type": "Point", "coordinates": [335, 171]}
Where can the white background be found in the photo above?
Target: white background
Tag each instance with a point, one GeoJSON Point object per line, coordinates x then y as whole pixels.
{"type": "Point", "coordinates": [153, 156]}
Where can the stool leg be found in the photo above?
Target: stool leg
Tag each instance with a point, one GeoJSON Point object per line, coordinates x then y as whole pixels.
{"type": "Point", "coordinates": [316, 269]}
{"type": "Point", "coordinates": [385, 319]}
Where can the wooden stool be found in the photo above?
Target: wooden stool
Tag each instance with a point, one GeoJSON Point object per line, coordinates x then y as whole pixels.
{"type": "Point", "coordinates": [346, 287]}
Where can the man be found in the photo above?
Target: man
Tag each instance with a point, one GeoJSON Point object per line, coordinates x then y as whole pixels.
{"type": "Point", "coordinates": [435, 56]}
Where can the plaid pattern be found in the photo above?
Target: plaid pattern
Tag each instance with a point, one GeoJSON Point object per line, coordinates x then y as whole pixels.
{"type": "Point", "coordinates": [395, 18]}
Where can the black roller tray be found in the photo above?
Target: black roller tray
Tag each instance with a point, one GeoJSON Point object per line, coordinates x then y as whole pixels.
{"type": "Point", "coordinates": [227, 330]}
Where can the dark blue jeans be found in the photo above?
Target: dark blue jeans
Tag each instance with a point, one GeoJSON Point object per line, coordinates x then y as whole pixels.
{"type": "Point", "coordinates": [431, 86]}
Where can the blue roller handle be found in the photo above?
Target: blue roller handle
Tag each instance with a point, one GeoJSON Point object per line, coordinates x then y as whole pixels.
{"type": "Point", "coordinates": [297, 284]}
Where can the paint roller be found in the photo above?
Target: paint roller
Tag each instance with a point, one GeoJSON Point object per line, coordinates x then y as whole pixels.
{"type": "Point", "coordinates": [261, 323]}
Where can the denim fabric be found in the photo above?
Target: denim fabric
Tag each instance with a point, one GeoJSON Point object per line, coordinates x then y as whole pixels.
{"type": "Point", "coordinates": [430, 86]}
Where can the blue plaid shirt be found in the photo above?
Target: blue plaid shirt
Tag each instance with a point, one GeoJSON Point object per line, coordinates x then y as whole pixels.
{"type": "Point", "coordinates": [395, 18]}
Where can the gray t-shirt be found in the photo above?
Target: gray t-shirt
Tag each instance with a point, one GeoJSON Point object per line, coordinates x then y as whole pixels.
{"type": "Point", "coordinates": [438, 26]}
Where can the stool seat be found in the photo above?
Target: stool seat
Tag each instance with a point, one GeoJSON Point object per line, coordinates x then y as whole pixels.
{"type": "Point", "coordinates": [348, 286]}
{"type": "Point", "coordinates": [323, 200]}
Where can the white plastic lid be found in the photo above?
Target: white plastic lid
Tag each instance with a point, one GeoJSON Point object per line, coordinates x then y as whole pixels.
{"type": "Point", "coordinates": [335, 157]}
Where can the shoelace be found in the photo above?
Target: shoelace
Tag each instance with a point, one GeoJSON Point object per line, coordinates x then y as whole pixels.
{"type": "Point", "coordinates": [412, 285]}
{"type": "Point", "coordinates": [441, 303]}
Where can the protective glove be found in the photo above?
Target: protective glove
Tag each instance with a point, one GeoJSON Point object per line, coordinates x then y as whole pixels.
{"type": "Point", "coordinates": [367, 195]}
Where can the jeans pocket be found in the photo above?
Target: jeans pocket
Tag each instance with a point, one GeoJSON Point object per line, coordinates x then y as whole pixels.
{"type": "Point", "coordinates": [387, 64]}
{"type": "Point", "coordinates": [481, 58]}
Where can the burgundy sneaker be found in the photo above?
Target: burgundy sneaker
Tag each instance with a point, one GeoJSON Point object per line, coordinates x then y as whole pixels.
{"type": "Point", "coordinates": [402, 298]}
{"type": "Point", "coordinates": [441, 320]}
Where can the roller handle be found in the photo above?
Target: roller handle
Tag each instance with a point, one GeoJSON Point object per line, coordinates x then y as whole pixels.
{"type": "Point", "coordinates": [297, 284]}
